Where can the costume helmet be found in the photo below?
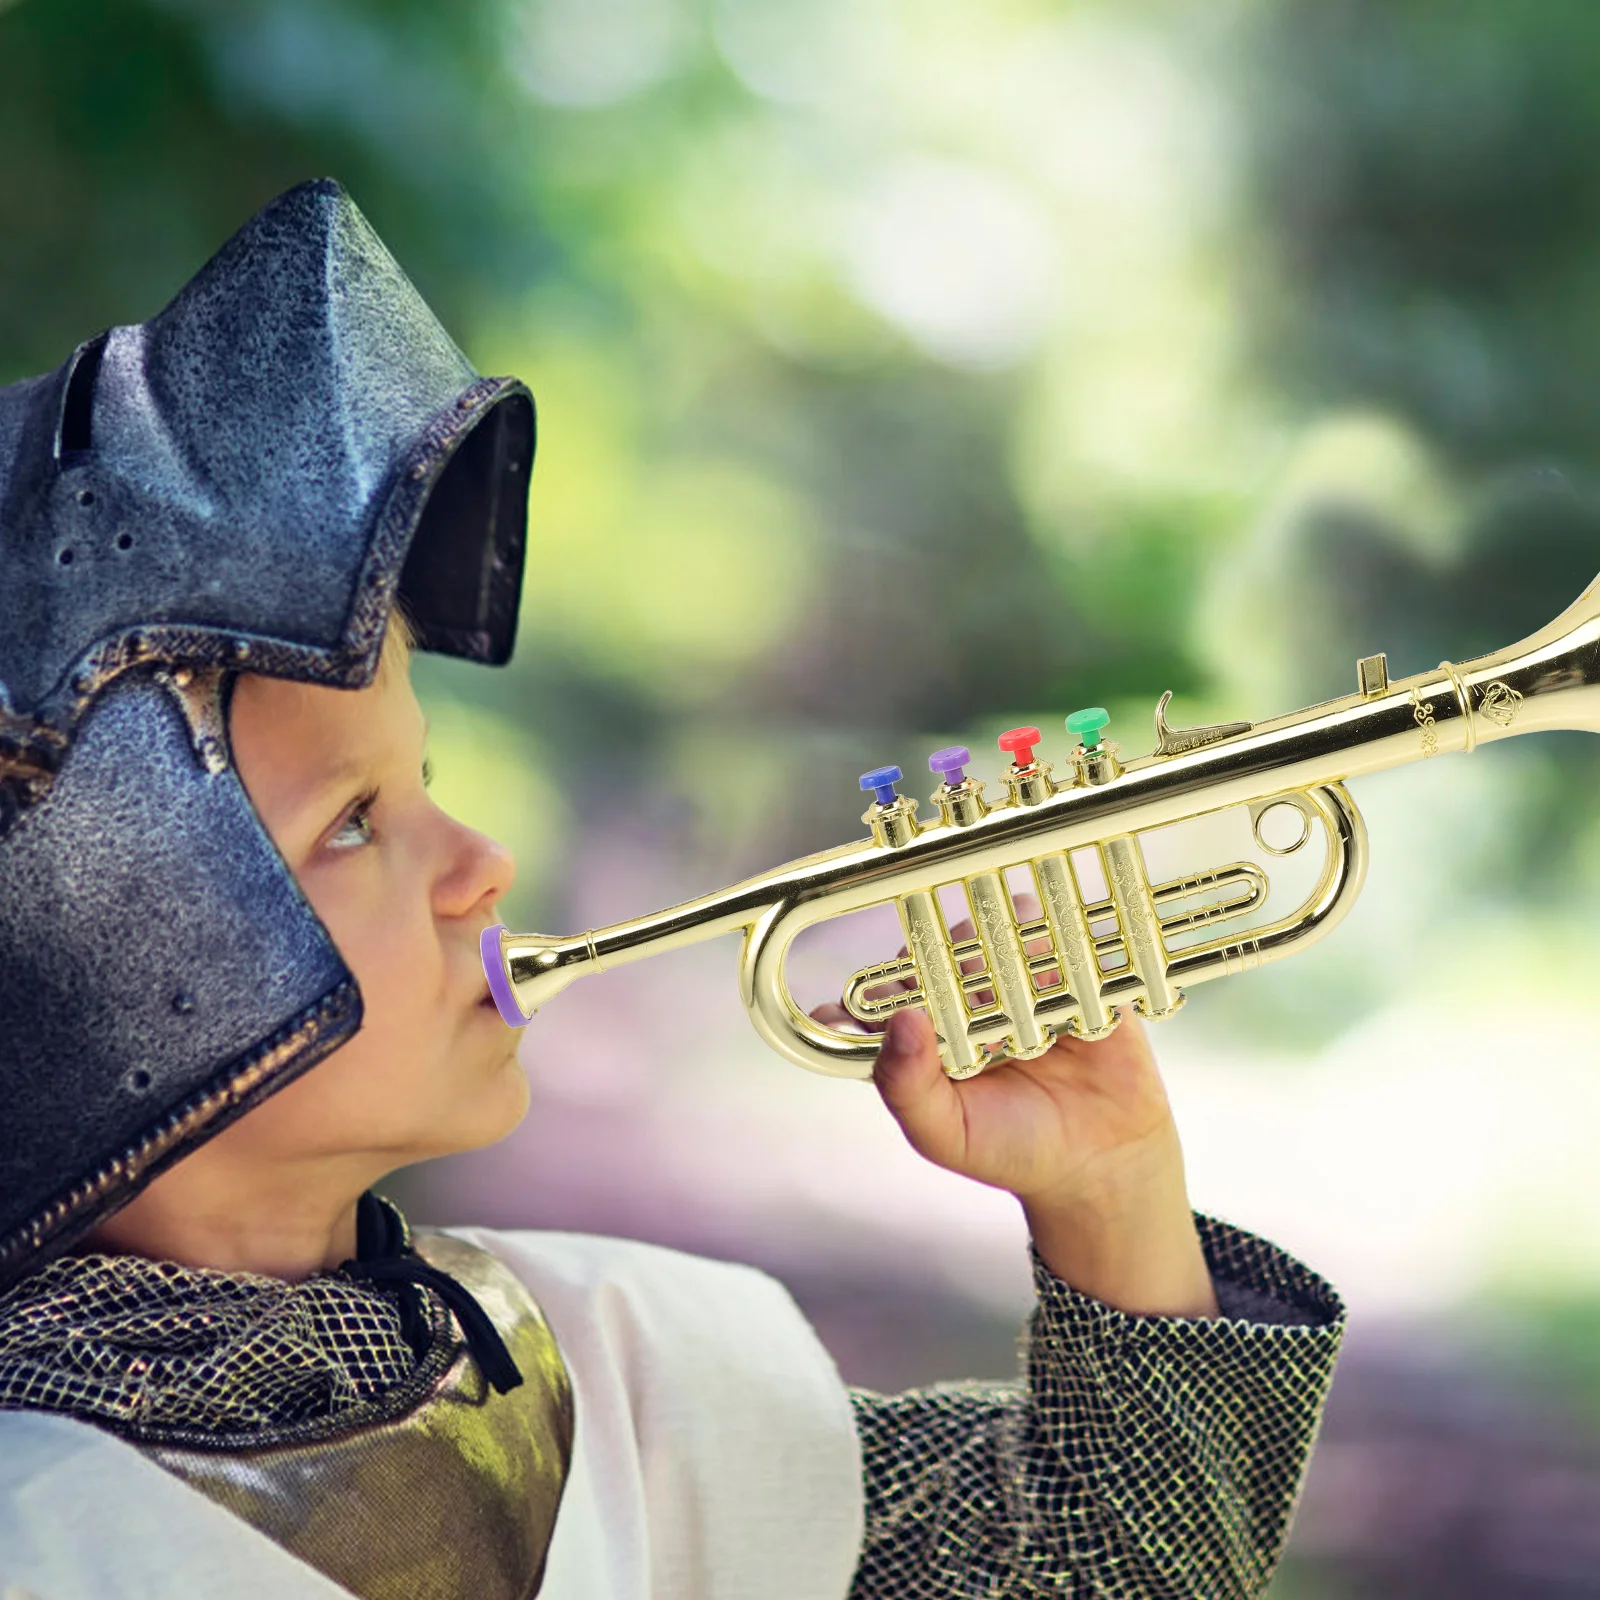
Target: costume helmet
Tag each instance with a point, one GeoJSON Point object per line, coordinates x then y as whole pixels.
{"type": "Point", "coordinates": [250, 481]}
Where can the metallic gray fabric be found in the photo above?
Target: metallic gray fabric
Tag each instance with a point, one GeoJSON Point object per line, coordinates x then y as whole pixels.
{"type": "Point", "coordinates": [304, 1410]}
{"type": "Point", "coordinates": [247, 482]}
{"type": "Point", "coordinates": [1141, 1458]}
{"type": "Point", "coordinates": [153, 1350]}
{"type": "Point", "coordinates": [238, 481]}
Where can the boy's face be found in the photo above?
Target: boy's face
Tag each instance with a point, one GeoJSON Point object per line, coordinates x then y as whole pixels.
{"type": "Point", "coordinates": [337, 777]}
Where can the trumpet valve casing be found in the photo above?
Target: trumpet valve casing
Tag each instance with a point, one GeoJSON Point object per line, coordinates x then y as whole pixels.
{"type": "Point", "coordinates": [1098, 765]}
{"type": "Point", "coordinates": [1029, 785]}
{"type": "Point", "coordinates": [961, 804]}
{"type": "Point", "coordinates": [894, 824]}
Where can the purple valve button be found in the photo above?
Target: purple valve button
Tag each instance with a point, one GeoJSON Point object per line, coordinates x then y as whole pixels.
{"type": "Point", "coordinates": [881, 780]}
{"type": "Point", "coordinates": [951, 762]}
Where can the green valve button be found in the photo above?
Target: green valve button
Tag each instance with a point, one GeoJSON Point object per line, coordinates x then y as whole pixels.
{"type": "Point", "coordinates": [1088, 724]}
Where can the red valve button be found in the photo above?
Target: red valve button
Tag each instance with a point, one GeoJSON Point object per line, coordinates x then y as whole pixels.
{"type": "Point", "coordinates": [1019, 743]}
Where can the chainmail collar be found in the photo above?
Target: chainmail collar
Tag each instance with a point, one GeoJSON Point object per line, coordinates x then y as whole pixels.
{"type": "Point", "coordinates": [152, 1349]}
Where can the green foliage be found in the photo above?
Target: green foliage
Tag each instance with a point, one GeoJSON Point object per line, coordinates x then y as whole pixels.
{"type": "Point", "coordinates": [917, 363]}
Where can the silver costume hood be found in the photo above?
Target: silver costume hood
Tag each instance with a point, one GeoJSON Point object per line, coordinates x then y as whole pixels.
{"type": "Point", "coordinates": [249, 481]}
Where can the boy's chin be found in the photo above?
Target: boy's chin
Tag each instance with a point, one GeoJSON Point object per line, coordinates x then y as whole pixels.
{"type": "Point", "coordinates": [484, 1112]}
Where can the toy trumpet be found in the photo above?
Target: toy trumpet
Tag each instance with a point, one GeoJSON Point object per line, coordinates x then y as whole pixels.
{"type": "Point", "coordinates": [1018, 983]}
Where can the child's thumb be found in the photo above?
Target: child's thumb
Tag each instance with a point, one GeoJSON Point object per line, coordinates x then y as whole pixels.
{"type": "Point", "coordinates": [913, 1085]}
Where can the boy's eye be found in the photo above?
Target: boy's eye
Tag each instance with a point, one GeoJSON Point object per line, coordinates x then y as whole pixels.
{"type": "Point", "coordinates": [356, 829]}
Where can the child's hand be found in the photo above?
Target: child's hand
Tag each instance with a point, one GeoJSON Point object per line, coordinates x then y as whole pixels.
{"type": "Point", "coordinates": [1082, 1135]}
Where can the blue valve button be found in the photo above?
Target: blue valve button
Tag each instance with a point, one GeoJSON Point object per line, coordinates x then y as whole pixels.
{"type": "Point", "coordinates": [1088, 725]}
{"type": "Point", "coordinates": [881, 780]}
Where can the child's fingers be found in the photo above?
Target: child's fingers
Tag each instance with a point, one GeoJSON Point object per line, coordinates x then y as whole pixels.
{"type": "Point", "coordinates": [962, 931]}
{"type": "Point", "coordinates": [925, 1103]}
{"type": "Point", "coordinates": [834, 1015]}
{"type": "Point", "coordinates": [1029, 910]}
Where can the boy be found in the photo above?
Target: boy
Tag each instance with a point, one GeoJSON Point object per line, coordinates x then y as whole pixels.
{"type": "Point", "coordinates": [241, 985]}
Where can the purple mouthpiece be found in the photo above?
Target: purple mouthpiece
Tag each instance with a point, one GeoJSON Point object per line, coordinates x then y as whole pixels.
{"type": "Point", "coordinates": [952, 762]}
{"type": "Point", "coordinates": [494, 969]}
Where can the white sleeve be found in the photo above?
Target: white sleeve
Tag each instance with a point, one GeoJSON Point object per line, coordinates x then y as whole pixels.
{"type": "Point", "coordinates": [84, 1516]}
{"type": "Point", "coordinates": [716, 1456]}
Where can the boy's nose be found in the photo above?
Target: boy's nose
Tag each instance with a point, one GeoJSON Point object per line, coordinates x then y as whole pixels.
{"type": "Point", "coordinates": [481, 872]}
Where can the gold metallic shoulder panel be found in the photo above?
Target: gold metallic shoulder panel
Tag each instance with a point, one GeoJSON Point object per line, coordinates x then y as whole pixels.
{"type": "Point", "coordinates": [454, 1500]}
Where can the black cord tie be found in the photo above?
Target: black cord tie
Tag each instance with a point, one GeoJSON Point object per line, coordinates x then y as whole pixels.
{"type": "Point", "coordinates": [384, 1255]}
{"type": "Point", "coordinates": [483, 1338]}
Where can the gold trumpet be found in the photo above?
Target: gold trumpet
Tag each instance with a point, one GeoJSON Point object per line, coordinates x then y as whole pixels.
{"type": "Point", "coordinates": [1020, 982]}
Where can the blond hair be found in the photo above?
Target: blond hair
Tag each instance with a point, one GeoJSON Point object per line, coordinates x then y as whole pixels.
{"type": "Point", "coordinates": [399, 640]}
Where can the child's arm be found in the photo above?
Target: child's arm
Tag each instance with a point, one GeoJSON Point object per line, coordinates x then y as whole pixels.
{"type": "Point", "coordinates": [1176, 1370]}
{"type": "Point", "coordinates": [1144, 1458]}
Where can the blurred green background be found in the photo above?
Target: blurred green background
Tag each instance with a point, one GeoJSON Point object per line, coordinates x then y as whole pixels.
{"type": "Point", "coordinates": [907, 371]}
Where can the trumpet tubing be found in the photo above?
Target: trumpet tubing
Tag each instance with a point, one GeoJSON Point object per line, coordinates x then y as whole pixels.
{"type": "Point", "coordinates": [1020, 982]}
{"type": "Point", "coordinates": [1076, 958]}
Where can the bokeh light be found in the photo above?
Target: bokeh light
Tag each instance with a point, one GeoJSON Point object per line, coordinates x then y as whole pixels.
{"type": "Point", "coordinates": [910, 370]}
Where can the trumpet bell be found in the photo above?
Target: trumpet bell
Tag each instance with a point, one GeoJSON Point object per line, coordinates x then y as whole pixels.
{"type": "Point", "coordinates": [1020, 982]}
